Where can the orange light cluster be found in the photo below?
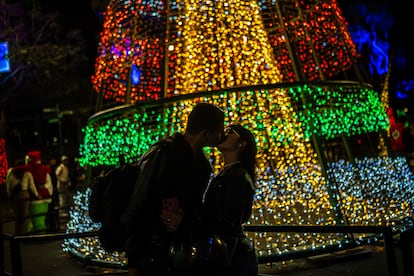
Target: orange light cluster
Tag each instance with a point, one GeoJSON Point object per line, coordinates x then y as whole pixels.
{"type": "Point", "coordinates": [188, 47]}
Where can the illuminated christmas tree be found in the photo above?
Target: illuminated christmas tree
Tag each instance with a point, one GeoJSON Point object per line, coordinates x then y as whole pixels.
{"type": "Point", "coordinates": [267, 64]}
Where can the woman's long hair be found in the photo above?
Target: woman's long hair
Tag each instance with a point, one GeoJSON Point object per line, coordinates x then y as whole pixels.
{"type": "Point", "coordinates": [248, 158]}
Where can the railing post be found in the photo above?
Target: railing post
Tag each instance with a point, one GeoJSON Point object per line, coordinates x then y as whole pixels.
{"type": "Point", "coordinates": [57, 216]}
{"type": "Point", "coordinates": [390, 252]}
{"type": "Point", "coordinates": [16, 260]}
{"type": "Point", "coordinates": [405, 241]}
{"type": "Point", "coordinates": [2, 265]}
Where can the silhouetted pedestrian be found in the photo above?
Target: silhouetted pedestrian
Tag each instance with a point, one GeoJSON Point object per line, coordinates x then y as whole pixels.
{"type": "Point", "coordinates": [40, 176]}
{"type": "Point", "coordinates": [64, 185]}
{"type": "Point", "coordinates": [52, 220]}
{"type": "Point", "coordinates": [20, 192]}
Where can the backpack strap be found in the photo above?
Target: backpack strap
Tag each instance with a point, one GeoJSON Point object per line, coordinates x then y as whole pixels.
{"type": "Point", "coordinates": [150, 160]}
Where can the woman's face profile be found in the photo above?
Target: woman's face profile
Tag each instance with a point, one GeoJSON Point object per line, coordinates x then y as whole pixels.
{"type": "Point", "coordinates": [231, 141]}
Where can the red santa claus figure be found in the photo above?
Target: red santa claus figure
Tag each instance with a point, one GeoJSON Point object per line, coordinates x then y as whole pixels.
{"type": "Point", "coordinates": [40, 175]}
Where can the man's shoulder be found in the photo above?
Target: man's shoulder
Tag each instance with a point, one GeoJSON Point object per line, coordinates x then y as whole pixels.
{"type": "Point", "coordinates": [174, 138]}
{"type": "Point", "coordinates": [174, 148]}
{"type": "Point", "coordinates": [171, 142]}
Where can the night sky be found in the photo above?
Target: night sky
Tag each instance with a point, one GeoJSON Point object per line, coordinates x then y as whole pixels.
{"type": "Point", "coordinates": [78, 14]}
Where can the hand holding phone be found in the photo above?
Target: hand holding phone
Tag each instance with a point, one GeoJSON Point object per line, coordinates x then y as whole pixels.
{"type": "Point", "coordinates": [170, 204]}
{"type": "Point", "coordinates": [171, 214]}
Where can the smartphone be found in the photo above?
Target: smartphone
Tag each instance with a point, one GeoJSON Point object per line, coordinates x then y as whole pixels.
{"type": "Point", "coordinates": [170, 204]}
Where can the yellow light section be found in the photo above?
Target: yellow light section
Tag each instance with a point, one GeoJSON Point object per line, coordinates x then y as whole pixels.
{"type": "Point", "coordinates": [223, 44]}
{"type": "Point", "coordinates": [299, 200]}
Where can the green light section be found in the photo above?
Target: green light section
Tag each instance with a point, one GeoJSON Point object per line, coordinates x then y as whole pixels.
{"type": "Point", "coordinates": [323, 110]}
{"type": "Point", "coordinates": [128, 135]}
{"type": "Point", "coordinates": [347, 111]}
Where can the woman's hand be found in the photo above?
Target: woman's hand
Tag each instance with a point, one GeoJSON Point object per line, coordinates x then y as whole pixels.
{"type": "Point", "coordinates": [171, 218]}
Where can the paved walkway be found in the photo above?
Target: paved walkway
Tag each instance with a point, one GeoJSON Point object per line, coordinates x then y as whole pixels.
{"type": "Point", "coordinates": [47, 258]}
{"type": "Point", "coordinates": [363, 261]}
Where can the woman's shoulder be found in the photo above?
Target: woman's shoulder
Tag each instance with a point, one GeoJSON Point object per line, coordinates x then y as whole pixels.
{"type": "Point", "coordinates": [240, 174]}
{"type": "Point", "coordinates": [236, 170]}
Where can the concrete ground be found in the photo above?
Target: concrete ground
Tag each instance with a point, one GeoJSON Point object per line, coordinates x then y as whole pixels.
{"type": "Point", "coordinates": [41, 258]}
{"type": "Point", "coordinates": [47, 258]}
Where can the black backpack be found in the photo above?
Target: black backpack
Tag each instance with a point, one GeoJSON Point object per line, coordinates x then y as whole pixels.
{"type": "Point", "coordinates": [111, 194]}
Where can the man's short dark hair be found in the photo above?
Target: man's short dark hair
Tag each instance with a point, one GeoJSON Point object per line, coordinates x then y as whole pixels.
{"type": "Point", "coordinates": [204, 116]}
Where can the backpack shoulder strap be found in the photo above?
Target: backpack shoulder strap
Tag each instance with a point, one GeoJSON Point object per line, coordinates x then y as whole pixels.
{"type": "Point", "coordinates": [150, 160]}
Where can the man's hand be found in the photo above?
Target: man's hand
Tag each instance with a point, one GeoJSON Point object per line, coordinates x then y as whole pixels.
{"type": "Point", "coordinates": [172, 218]}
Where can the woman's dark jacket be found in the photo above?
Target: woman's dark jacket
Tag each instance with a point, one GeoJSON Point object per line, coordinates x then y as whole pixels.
{"type": "Point", "coordinates": [228, 202]}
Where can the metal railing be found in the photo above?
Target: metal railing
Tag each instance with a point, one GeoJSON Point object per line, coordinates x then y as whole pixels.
{"type": "Point", "coordinates": [15, 241]}
{"type": "Point", "coordinates": [405, 239]}
{"type": "Point", "coordinates": [386, 231]}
